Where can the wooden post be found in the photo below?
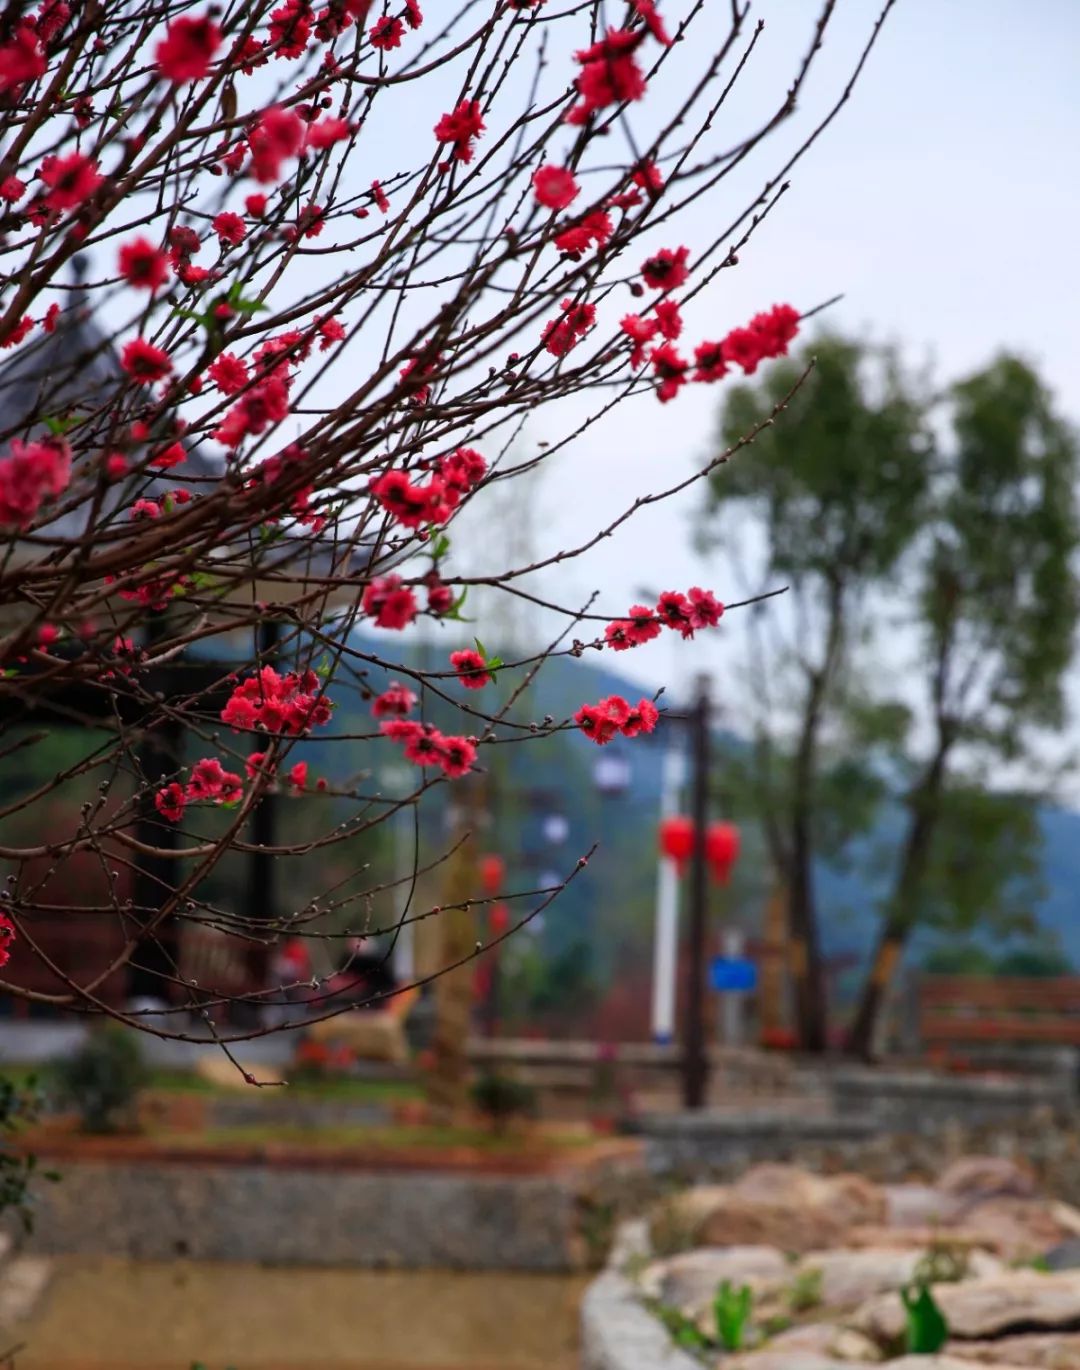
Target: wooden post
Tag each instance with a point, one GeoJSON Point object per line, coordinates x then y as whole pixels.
{"type": "Point", "coordinates": [448, 1078]}
{"type": "Point", "coordinates": [695, 1060]}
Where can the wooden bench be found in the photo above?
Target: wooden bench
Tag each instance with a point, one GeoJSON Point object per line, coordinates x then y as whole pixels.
{"type": "Point", "coordinates": [956, 1009]}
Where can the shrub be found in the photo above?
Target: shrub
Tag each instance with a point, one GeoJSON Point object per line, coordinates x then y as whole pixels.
{"type": "Point", "coordinates": [102, 1079]}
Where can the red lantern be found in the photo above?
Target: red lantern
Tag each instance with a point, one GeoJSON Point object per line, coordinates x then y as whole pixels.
{"type": "Point", "coordinates": [721, 849]}
{"type": "Point", "coordinates": [492, 872]}
{"type": "Point", "coordinates": [677, 840]}
{"type": "Point", "coordinates": [498, 919]}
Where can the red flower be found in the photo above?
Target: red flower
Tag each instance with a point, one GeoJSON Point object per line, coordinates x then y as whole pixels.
{"type": "Point", "coordinates": [776, 329]}
{"type": "Point", "coordinates": [640, 625]}
{"type": "Point", "coordinates": [7, 936]}
{"type": "Point", "coordinates": [33, 472]}
{"type": "Point", "coordinates": [290, 28]}
{"type": "Point", "coordinates": [230, 228]}
{"type": "Point", "coordinates": [561, 334]}
{"type": "Point", "coordinates": [278, 134]}
{"type": "Point", "coordinates": [188, 48]}
{"type": "Point", "coordinates": [671, 369]}
{"type": "Point", "coordinates": [71, 180]}
{"type": "Point", "coordinates": [390, 604]}
{"type": "Point", "coordinates": [328, 131]}
{"type": "Point", "coordinates": [413, 17]}
{"type": "Point", "coordinates": [143, 265]}
{"type": "Point", "coordinates": [555, 187]}
{"type": "Point", "coordinates": [609, 74]}
{"type": "Point", "coordinates": [440, 597]}
{"type": "Point", "coordinates": [172, 455]}
{"type": "Point", "coordinates": [144, 362]}
{"type": "Point", "coordinates": [395, 699]}
{"type": "Point", "coordinates": [12, 189]}
{"type": "Point", "coordinates": [471, 668]}
{"type": "Point", "coordinates": [379, 196]}
{"type": "Point", "coordinates": [666, 269]}
{"type": "Point", "coordinates": [457, 756]}
{"type": "Point", "coordinates": [648, 176]}
{"type": "Point", "coordinates": [255, 205]}
{"type": "Point", "coordinates": [170, 802]}
{"type": "Point", "coordinates": [298, 776]}
{"type": "Point", "coordinates": [401, 729]}
{"type": "Point", "coordinates": [669, 318]}
{"type": "Point", "coordinates": [742, 347]}
{"type": "Point", "coordinates": [647, 10]}
{"type": "Point", "coordinates": [425, 746]}
{"type": "Point", "coordinates": [330, 332]}
{"type": "Point", "coordinates": [412, 505]}
{"type": "Point", "coordinates": [706, 610]}
{"type": "Point", "coordinates": [594, 228]}
{"type": "Point", "coordinates": [709, 359]}
{"type": "Point", "coordinates": [639, 331]}
{"type": "Point", "coordinates": [673, 609]}
{"type": "Point", "coordinates": [21, 59]}
{"type": "Point", "coordinates": [228, 373]}
{"type": "Point", "coordinates": [207, 779]}
{"type": "Point", "coordinates": [460, 128]}
{"type": "Point", "coordinates": [602, 721]}
{"type": "Point", "coordinates": [386, 33]}
{"type": "Point", "coordinates": [641, 719]}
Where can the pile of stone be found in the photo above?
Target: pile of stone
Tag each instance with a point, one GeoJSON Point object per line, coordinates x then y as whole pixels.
{"type": "Point", "coordinates": [826, 1259]}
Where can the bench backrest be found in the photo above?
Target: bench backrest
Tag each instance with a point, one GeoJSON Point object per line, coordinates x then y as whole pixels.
{"type": "Point", "coordinates": [969, 1008]}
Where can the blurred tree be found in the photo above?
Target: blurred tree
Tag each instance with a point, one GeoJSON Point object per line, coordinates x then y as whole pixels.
{"type": "Point", "coordinates": [835, 497]}
{"type": "Point", "coordinates": [998, 609]}
{"type": "Point", "coordinates": [889, 512]}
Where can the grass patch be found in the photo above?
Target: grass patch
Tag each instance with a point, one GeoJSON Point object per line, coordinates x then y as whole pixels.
{"type": "Point", "coordinates": [390, 1137]}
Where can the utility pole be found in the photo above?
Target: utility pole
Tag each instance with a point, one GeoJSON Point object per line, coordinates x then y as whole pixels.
{"type": "Point", "coordinates": [695, 1063]}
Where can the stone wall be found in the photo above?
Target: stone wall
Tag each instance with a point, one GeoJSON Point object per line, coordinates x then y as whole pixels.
{"type": "Point", "coordinates": [315, 1216]}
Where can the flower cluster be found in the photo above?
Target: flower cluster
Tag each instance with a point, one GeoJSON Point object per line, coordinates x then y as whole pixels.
{"type": "Point", "coordinates": [415, 505]}
{"type": "Point", "coordinates": [390, 603]}
{"type": "Point", "coordinates": [7, 936]}
{"type": "Point", "coordinates": [768, 335]}
{"type": "Point", "coordinates": [292, 703]}
{"type": "Point", "coordinates": [459, 129]}
{"type": "Point", "coordinates": [696, 609]}
{"type": "Point", "coordinates": [565, 332]}
{"type": "Point", "coordinates": [210, 782]}
{"type": "Point", "coordinates": [424, 745]}
{"type": "Point", "coordinates": [602, 721]}
{"type": "Point", "coordinates": [34, 472]}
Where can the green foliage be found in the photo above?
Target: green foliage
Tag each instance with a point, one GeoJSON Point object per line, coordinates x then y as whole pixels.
{"type": "Point", "coordinates": [20, 1105]}
{"type": "Point", "coordinates": [683, 1331]}
{"type": "Point", "coordinates": [804, 1292]}
{"type": "Point", "coordinates": [927, 1330]}
{"type": "Point", "coordinates": [102, 1079]}
{"type": "Point", "coordinates": [731, 1309]}
{"type": "Point", "coordinates": [953, 517]}
{"type": "Point", "coordinates": [501, 1097]}
{"type": "Point", "coordinates": [943, 1262]}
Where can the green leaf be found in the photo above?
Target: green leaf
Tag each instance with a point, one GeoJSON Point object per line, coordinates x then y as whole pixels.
{"type": "Point", "coordinates": [440, 547]}
{"type": "Point", "coordinates": [62, 425]}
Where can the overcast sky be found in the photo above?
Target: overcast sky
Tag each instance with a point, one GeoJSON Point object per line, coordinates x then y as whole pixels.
{"type": "Point", "coordinates": [942, 203]}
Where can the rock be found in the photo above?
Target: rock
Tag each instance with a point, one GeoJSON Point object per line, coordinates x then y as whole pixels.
{"type": "Point", "coordinates": [676, 1223]}
{"type": "Point", "coordinates": [1038, 1350]}
{"type": "Point", "coordinates": [986, 1176]}
{"type": "Point", "coordinates": [917, 1205]}
{"type": "Point", "coordinates": [1064, 1256]}
{"type": "Point", "coordinates": [750, 1222]}
{"type": "Point", "coordinates": [982, 1307]}
{"type": "Point", "coordinates": [916, 1238]}
{"type": "Point", "coordinates": [851, 1198]}
{"type": "Point", "coordinates": [689, 1280]}
{"type": "Point", "coordinates": [1067, 1216]}
{"type": "Point", "coordinates": [824, 1339]}
{"type": "Point", "coordinates": [1016, 1228]}
{"type": "Point", "coordinates": [768, 1359]}
{"type": "Point", "coordinates": [849, 1345]}
{"type": "Point", "coordinates": [851, 1277]}
{"type": "Point", "coordinates": [940, 1363]}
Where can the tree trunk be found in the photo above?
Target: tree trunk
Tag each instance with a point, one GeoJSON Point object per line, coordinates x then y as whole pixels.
{"type": "Point", "coordinates": [924, 806]}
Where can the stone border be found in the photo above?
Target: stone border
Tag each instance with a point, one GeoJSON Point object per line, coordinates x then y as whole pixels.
{"type": "Point", "coordinates": [617, 1331]}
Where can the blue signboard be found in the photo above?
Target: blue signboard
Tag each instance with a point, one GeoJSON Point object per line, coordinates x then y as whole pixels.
{"type": "Point", "coordinates": [731, 973]}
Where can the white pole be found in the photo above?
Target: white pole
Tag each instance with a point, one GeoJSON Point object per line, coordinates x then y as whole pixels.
{"type": "Point", "coordinates": [666, 935]}
{"type": "Point", "coordinates": [731, 1002]}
